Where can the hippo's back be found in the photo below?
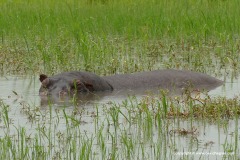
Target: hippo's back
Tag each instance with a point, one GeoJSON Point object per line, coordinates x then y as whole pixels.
{"type": "Point", "coordinates": [167, 78]}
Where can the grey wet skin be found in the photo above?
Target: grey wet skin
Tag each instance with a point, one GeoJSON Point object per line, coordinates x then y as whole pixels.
{"type": "Point", "coordinates": [86, 82]}
{"type": "Point", "coordinates": [166, 79]}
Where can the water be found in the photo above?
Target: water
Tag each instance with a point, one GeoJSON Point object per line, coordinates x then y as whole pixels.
{"type": "Point", "coordinates": [21, 93]}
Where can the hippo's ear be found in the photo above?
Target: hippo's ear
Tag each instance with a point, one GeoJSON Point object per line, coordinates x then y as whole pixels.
{"type": "Point", "coordinates": [42, 77]}
{"type": "Point", "coordinates": [44, 80]}
{"type": "Point", "coordinates": [87, 85]}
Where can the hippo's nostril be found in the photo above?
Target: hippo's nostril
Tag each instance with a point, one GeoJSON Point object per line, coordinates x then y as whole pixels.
{"type": "Point", "coordinates": [62, 93]}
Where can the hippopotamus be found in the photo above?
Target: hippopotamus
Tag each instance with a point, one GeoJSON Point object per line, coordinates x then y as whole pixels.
{"type": "Point", "coordinates": [80, 82]}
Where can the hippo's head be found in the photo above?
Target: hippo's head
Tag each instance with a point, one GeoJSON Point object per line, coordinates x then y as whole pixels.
{"type": "Point", "coordinates": [71, 83]}
{"type": "Point", "coordinates": [62, 86]}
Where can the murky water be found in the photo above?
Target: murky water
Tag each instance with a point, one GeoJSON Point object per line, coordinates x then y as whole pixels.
{"type": "Point", "coordinates": [17, 92]}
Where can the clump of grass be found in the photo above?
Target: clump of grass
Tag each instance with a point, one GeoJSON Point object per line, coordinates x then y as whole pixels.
{"type": "Point", "coordinates": [4, 114]}
{"type": "Point", "coordinates": [220, 108]}
{"type": "Point", "coordinates": [207, 108]}
{"type": "Point", "coordinates": [184, 132]}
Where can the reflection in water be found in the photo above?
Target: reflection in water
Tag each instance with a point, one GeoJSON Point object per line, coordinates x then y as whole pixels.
{"type": "Point", "coordinates": [20, 91]}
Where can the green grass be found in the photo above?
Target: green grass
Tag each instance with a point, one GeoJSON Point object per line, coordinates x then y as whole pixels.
{"type": "Point", "coordinates": [118, 36]}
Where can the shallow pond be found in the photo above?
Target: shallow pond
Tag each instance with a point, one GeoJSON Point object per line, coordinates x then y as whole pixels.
{"type": "Point", "coordinates": [197, 139]}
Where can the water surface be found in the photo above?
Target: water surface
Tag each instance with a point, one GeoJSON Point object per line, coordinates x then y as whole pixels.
{"type": "Point", "coordinates": [21, 93]}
